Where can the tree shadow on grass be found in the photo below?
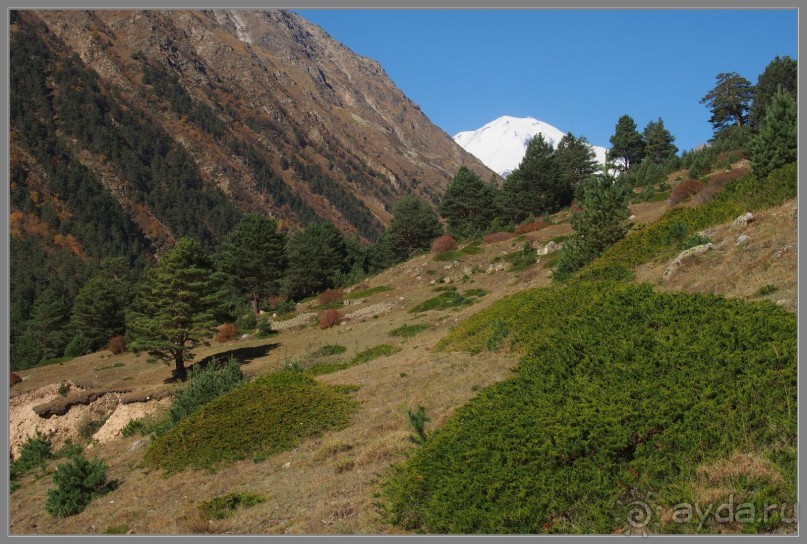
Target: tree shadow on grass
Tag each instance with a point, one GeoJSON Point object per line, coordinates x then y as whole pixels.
{"type": "Point", "coordinates": [242, 355]}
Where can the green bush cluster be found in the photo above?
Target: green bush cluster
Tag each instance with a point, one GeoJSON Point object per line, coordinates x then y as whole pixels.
{"type": "Point", "coordinates": [77, 482]}
{"type": "Point", "coordinates": [621, 393]}
{"type": "Point", "coordinates": [381, 350]}
{"type": "Point", "coordinates": [266, 416]}
{"type": "Point", "coordinates": [205, 384]}
{"type": "Point", "coordinates": [329, 350]}
{"type": "Point", "coordinates": [449, 298]}
{"type": "Point", "coordinates": [34, 452]}
{"type": "Point", "coordinates": [224, 506]}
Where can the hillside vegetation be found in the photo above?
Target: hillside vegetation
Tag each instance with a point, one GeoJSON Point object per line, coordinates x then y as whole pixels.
{"type": "Point", "coordinates": [621, 395]}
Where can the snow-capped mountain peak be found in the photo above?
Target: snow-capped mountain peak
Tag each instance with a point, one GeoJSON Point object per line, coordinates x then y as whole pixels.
{"type": "Point", "coordinates": [501, 144]}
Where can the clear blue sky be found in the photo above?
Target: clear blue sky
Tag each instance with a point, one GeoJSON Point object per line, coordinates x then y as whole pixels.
{"type": "Point", "coordinates": [579, 70]}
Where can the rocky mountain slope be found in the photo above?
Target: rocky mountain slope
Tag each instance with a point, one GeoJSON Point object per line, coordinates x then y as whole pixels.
{"type": "Point", "coordinates": [502, 143]}
{"type": "Point", "coordinates": [263, 109]}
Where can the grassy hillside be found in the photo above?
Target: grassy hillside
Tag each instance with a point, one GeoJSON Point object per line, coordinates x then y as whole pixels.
{"type": "Point", "coordinates": [621, 395]}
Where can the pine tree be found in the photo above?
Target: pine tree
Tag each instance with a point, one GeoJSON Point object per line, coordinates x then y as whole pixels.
{"type": "Point", "coordinates": [99, 310]}
{"type": "Point", "coordinates": [627, 145]}
{"type": "Point", "coordinates": [729, 101]}
{"type": "Point", "coordinates": [659, 146]}
{"type": "Point", "coordinates": [468, 205]}
{"type": "Point", "coordinates": [536, 187]}
{"type": "Point", "coordinates": [576, 160]}
{"type": "Point", "coordinates": [316, 255]}
{"type": "Point", "coordinates": [175, 307]}
{"type": "Point", "coordinates": [779, 72]}
{"type": "Point", "coordinates": [413, 226]}
{"type": "Point", "coordinates": [602, 223]}
{"type": "Point", "coordinates": [50, 319]}
{"type": "Point", "coordinates": [254, 258]}
{"type": "Point", "coordinates": [775, 143]}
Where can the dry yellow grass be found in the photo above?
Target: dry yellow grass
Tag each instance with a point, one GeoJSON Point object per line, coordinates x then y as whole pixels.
{"type": "Point", "coordinates": [768, 257]}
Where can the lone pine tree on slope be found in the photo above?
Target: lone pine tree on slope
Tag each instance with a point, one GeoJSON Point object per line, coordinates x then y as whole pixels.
{"type": "Point", "coordinates": [175, 307]}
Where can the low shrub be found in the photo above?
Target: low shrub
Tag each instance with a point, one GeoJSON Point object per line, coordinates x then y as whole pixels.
{"type": "Point", "coordinates": [268, 415]}
{"type": "Point", "coordinates": [417, 420]}
{"type": "Point", "coordinates": [446, 300]}
{"type": "Point", "coordinates": [329, 350]}
{"type": "Point", "coordinates": [224, 506]}
{"type": "Point", "coordinates": [14, 379]}
{"type": "Point", "coordinates": [766, 290]}
{"type": "Point", "coordinates": [285, 308]}
{"type": "Point", "coordinates": [263, 326]}
{"type": "Point", "coordinates": [226, 332]}
{"type": "Point", "coordinates": [205, 385]}
{"type": "Point", "coordinates": [524, 258]}
{"type": "Point", "coordinates": [443, 244]}
{"type": "Point", "coordinates": [684, 190]}
{"type": "Point", "coordinates": [246, 322]}
{"type": "Point", "coordinates": [34, 452]}
{"type": "Point", "coordinates": [117, 345]}
{"type": "Point", "coordinates": [408, 331]}
{"type": "Point", "coordinates": [331, 296]}
{"type": "Point", "coordinates": [381, 350]}
{"type": "Point", "coordinates": [329, 318]}
{"type": "Point", "coordinates": [608, 405]}
{"type": "Point", "coordinates": [77, 482]}
{"type": "Point", "coordinates": [532, 226]}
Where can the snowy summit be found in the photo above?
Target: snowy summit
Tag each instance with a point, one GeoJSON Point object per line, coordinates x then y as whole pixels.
{"type": "Point", "coordinates": [501, 144]}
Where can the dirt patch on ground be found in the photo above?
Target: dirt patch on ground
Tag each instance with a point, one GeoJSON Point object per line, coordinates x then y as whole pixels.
{"type": "Point", "coordinates": [124, 413]}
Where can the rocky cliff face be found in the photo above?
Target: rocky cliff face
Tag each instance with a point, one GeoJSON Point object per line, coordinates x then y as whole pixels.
{"type": "Point", "coordinates": [276, 115]}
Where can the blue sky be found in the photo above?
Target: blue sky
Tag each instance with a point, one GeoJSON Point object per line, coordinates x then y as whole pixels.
{"type": "Point", "coordinates": [579, 70]}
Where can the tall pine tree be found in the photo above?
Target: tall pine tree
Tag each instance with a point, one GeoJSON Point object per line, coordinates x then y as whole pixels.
{"type": "Point", "coordinates": [576, 161]}
{"type": "Point", "coordinates": [413, 226]}
{"type": "Point", "coordinates": [601, 223]}
{"type": "Point", "coordinates": [174, 309]}
{"type": "Point", "coordinates": [99, 310]}
{"type": "Point", "coordinates": [780, 72]}
{"type": "Point", "coordinates": [253, 256]}
{"type": "Point", "coordinates": [317, 255]}
{"type": "Point", "coordinates": [536, 187]}
{"type": "Point", "coordinates": [468, 205]}
{"type": "Point", "coordinates": [659, 147]}
{"type": "Point", "coordinates": [775, 143]}
{"type": "Point", "coordinates": [627, 145]}
{"type": "Point", "coordinates": [729, 101]}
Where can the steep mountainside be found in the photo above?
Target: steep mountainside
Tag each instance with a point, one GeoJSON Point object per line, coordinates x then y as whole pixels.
{"type": "Point", "coordinates": [502, 143]}
{"type": "Point", "coordinates": [130, 129]}
{"type": "Point", "coordinates": [266, 110]}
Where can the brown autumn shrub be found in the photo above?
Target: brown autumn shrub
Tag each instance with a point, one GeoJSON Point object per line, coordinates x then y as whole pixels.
{"type": "Point", "coordinates": [443, 243]}
{"type": "Point", "coordinates": [498, 237]}
{"type": "Point", "coordinates": [721, 179]}
{"type": "Point", "coordinates": [276, 300]}
{"type": "Point", "coordinates": [329, 318]}
{"type": "Point", "coordinates": [684, 190]}
{"type": "Point", "coordinates": [330, 296]}
{"type": "Point", "coordinates": [226, 332]}
{"type": "Point", "coordinates": [117, 345]}
{"type": "Point", "coordinates": [15, 379]}
{"type": "Point", "coordinates": [524, 228]}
